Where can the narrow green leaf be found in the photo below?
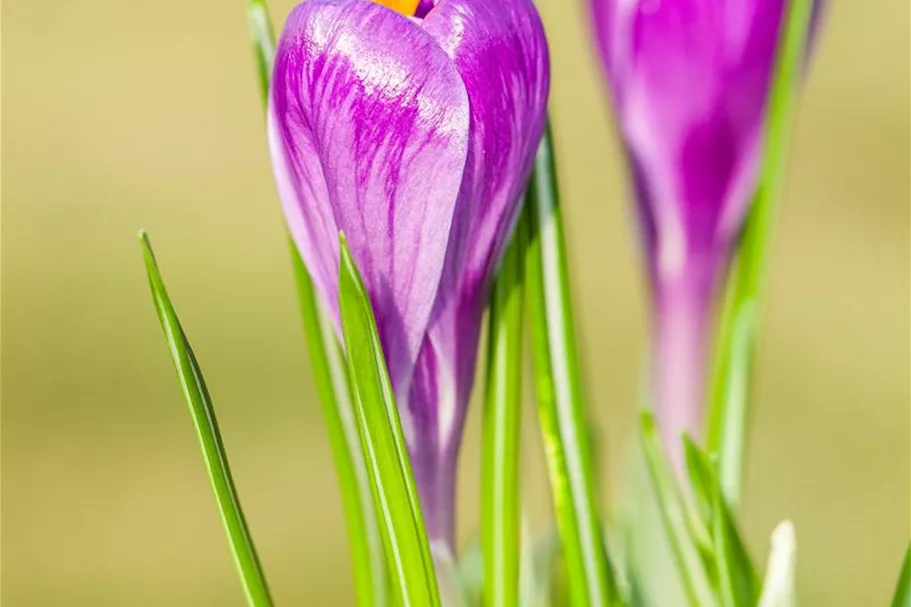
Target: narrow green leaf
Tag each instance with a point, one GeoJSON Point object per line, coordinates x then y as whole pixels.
{"type": "Point", "coordinates": [700, 518]}
{"type": "Point", "coordinates": [263, 43]}
{"type": "Point", "coordinates": [331, 383]}
{"type": "Point", "coordinates": [702, 479]}
{"type": "Point", "coordinates": [733, 393]}
{"type": "Point", "coordinates": [734, 583]}
{"type": "Point", "coordinates": [779, 588]}
{"type": "Point", "coordinates": [394, 493]}
{"type": "Point", "coordinates": [341, 424]}
{"type": "Point", "coordinates": [733, 360]}
{"type": "Point", "coordinates": [737, 580]}
{"type": "Point", "coordinates": [902, 596]}
{"type": "Point", "coordinates": [558, 386]}
{"type": "Point", "coordinates": [500, 515]}
{"type": "Point", "coordinates": [206, 424]}
{"type": "Point", "coordinates": [678, 522]}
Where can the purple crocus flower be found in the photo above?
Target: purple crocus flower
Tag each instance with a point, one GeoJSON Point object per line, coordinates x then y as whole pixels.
{"type": "Point", "coordinates": [689, 80]}
{"type": "Point", "coordinates": [415, 136]}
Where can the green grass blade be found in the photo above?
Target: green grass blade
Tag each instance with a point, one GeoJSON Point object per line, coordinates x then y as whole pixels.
{"type": "Point", "coordinates": [700, 518]}
{"type": "Point", "coordinates": [213, 450]}
{"type": "Point", "coordinates": [736, 578]}
{"type": "Point", "coordinates": [726, 433]}
{"type": "Point", "coordinates": [559, 392]}
{"type": "Point", "coordinates": [338, 412]}
{"type": "Point", "coordinates": [730, 390]}
{"type": "Point", "coordinates": [779, 587]}
{"type": "Point", "coordinates": [902, 596]}
{"type": "Point", "coordinates": [500, 514]}
{"type": "Point", "coordinates": [368, 561]}
{"type": "Point", "coordinates": [394, 493]}
{"type": "Point", "coordinates": [702, 480]}
{"type": "Point", "coordinates": [679, 523]}
{"type": "Point", "coordinates": [263, 43]}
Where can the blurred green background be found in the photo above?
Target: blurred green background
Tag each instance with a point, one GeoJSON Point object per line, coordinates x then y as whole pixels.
{"type": "Point", "coordinates": [124, 114]}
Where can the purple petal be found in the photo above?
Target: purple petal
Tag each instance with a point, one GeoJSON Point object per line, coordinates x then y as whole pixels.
{"type": "Point", "coordinates": [501, 53]}
{"type": "Point", "coordinates": [690, 80]}
{"type": "Point", "coordinates": [424, 7]}
{"type": "Point", "coordinates": [368, 128]}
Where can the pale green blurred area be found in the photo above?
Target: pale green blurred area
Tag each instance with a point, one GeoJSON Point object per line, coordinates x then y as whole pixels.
{"type": "Point", "coordinates": [120, 114]}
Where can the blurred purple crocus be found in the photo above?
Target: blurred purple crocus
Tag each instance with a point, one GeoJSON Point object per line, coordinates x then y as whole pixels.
{"type": "Point", "coordinates": [690, 79]}
{"type": "Point", "coordinates": [415, 135]}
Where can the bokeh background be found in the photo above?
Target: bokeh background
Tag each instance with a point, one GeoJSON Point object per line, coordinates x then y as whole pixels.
{"type": "Point", "coordinates": [121, 114]}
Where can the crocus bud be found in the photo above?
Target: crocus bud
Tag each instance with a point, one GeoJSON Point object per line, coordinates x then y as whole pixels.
{"type": "Point", "coordinates": [690, 79]}
{"type": "Point", "coordinates": [415, 136]}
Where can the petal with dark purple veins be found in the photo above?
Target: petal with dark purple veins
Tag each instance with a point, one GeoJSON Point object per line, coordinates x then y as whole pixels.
{"type": "Point", "coordinates": [368, 124]}
{"type": "Point", "coordinates": [501, 53]}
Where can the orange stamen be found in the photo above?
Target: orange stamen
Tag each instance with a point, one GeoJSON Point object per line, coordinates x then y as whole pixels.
{"type": "Point", "coordinates": [406, 7]}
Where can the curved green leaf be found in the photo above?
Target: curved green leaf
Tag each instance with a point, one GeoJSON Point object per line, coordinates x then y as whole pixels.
{"type": "Point", "coordinates": [331, 378]}
{"type": "Point", "coordinates": [902, 596]}
{"type": "Point", "coordinates": [213, 450]}
{"type": "Point", "coordinates": [736, 576]}
{"type": "Point", "coordinates": [263, 43]}
{"type": "Point", "coordinates": [394, 493]}
{"type": "Point", "coordinates": [684, 530]}
{"type": "Point", "coordinates": [558, 386]}
{"type": "Point", "coordinates": [726, 433]}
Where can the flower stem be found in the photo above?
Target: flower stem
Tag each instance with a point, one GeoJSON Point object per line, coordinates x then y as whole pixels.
{"type": "Point", "coordinates": [682, 317]}
{"type": "Point", "coordinates": [559, 392]}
